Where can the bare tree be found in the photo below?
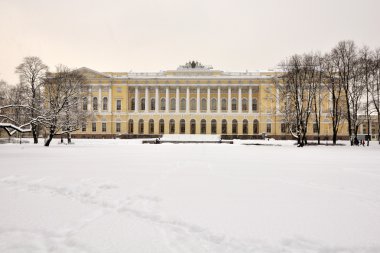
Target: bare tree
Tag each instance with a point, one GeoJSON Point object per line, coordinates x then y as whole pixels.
{"type": "Point", "coordinates": [32, 72]}
{"type": "Point", "coordinates": [63, 91]}
{"type": "Point", "coordinates": [344, 59]}
{"type": "Point", "coordinates": [374, 88]}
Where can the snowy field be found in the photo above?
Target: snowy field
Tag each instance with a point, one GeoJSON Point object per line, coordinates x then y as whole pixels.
{"type": "Point", "coordinates": [122, 196]}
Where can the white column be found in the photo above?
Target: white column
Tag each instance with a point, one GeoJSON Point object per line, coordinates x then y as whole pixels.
{"type": "Point", "coordinates": [157, 100]}
{"type": "Point", "coordinates": [250, 99]}
{"type": "Point", "coordinates": [187, 99]}
{"type": "Point", "coordinates": [110, 99]}
{"type": "Point", "coordinates": [137, 99]}
{"type": "Point", "coordinates": [277, 101]}
{"type": "Point", "coordinates": [100, 100]}
{"type": "Point", "coordinates": [219, 101]}
{"type": "Point", "coordinates": [177, 100]}
{"type": "Point", "coordinates": [198, 100]}
{"type": "Point", "coordinates": [147, 104]}
{"type": "Point", "coordinates": [239, 105]}
{"type": "Point", "coordinates": [167, 100]}
{"type": "Point", "coordinates": [208, 99]}
{"type": "Point", "coordinates": [229, 99]}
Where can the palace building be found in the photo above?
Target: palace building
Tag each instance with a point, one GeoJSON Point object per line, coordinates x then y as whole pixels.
{"type": "Point", "coordinates": [193, 99]}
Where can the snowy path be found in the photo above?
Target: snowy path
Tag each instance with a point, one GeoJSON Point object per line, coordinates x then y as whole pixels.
{"type": "Point", "coordinates": [112, 196]}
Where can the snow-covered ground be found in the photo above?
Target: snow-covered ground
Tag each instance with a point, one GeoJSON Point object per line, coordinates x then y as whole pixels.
{"type": "Point", "coordinates": [122, 196]}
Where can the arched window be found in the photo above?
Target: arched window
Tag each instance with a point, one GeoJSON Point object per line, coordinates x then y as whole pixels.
{"type": "Point", "coordinates": [244, 105]}
{"type": "Point", "coordinates": [256, 126]}
{"type": "Point", "coordinates": [183, 104]}
{"type": "Point", "coordinates": [245, 126]}
{"type": "Point", "coordinates": [203, 126]}
{"type": "Point", "coordinates": [153, 104]}
{"type": "Point", "coordinates": [95, 104]}
{"type": "Point", "coordinates": [141, 126]}
{"type": "Point", "coordinates": [142, 104]}
{"type": "Point", "coordinates": [84, 106]}
{"type": "Point", "coordinates": [172, 126]}
{"type": "Point", "coordinates": [192, 126]}
{"type": "Point", "coordinates": [234, 126]}
{"type": "Point", "coordinates": [213, 104]}
{"type": "Point", "coordinates": [163, 104]}
{"type": "Point", "coordinates": [213, 126]}
{"type": "Point", "coordinates": [130, 126]}
{"type": "Point", "coordinates": [254, 105]}
{"type": "Point", "coordinates": [182, 126]}
{"type": "Point", "coordinates": [172, 104]}
{"type": "Point", "coordinates": [203, 105]}
{"type": "Point", "coordinates": [105, 104]}
{"type": "Point", "coordinates": [193, 104]}
{"type": "Point", "coordinates": [224, 104]}
{"type": "Point", "coordinates": [224, 126]}
{"type": "Point", "coordinates": [132, 108]}
{"type": "Point", "coordinates": [162, 126]}
{"type": "Point", "coordinates": [151, 126]}
{"type": "Point", "coordinates": [234, 105]}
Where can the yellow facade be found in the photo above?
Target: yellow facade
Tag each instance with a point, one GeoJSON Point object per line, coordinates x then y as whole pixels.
{"type": "Point", "coordinates": [188, 100]}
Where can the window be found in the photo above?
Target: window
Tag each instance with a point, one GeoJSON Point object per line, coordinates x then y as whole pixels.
{"type": "Point", "coordinates": [245, 126]}
{"type": "Point", "coordinates": [213, 104]}
{"type": "Point", "coordinates": [95, 103]}
{"type": "Point", "coordinates": [224, 104]}
{"type": "Point", "coordinates": [130, 126]}
{"type": "Point", "coordinates": [142, 104]}
{"type": "Point", "coordinates": [141, 126]}
{"type": "Point", "coordinates": [153, 104]}
{"type": "Point", "coordinates": [172, 104]}
{"type": "Point", "coordinates": [204, 104]}
{"type": "Point", "coordinates": [192, 126]}
{"type": "Point", "coordinates": [193, 104]}
{"type": "Point", "coordinates": [213, 126]}
{"type": "Point", "coordinates": [163, 104]}
{"type": "Point", "coordinates": [84, 128]}
{"type": "Point", "coordinates": [93, 127]}
{"type": "Point", "coordinates": [234, 126]}
{"type": "Point", "coordinates": [118, 127]}
{"type": "Point", "coordinates": [254, 105]}
{"type": "Point", "coordinates": [118, 105]}
{"type": "Point", "coordinates": [283, 127]}
{"type": "Point", "coordinates": [151, 126]}
{"type": "Point", "coordinates": [224, 126]}
{"type": "Point", "coordinates": [183, 104]}
{"type": "Point", "coordinates": [162, 126]}
{"type": "Point", "coordinates": [203, 126]}
{"type": "Point", "coordinates": [269, 127]}
{"type": "Point", "coordinates": [255, 126]}
{"type": "Point", "coordinates": [315, 128]}
{"type": "Point", "coordinates": [244, 105]}
{"type": "Point", "coordinates": [132, 104]}
{"type": "Point", "coordinates": [172, 126]}
{"type": "Point", "coordinates": [234, 105]}
{"type": "Point", "coordinates": [105, 104]}
{"type": "Point", "coordinates": [104, 127]}
{"type": "Point", "coordinates": [182, 126]}
{"type": "Point", "coordinates": [84, 106]}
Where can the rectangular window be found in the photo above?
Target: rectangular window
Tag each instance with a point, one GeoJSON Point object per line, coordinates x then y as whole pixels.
{"type": "Point", "coordinates": [118, 127]}
{"type": "Point", "coordinates": [283, 128]}
{"type": "Point", "coordinates": [84, 128]}
{"type": "Point", "coordinates": [94, 126]}
{"type": "Point", "coordinates": [315, 128]}
{"type": "Point", "coordinates": [269, 127]}
{"type": "Point", "coordinates": [104, 127]}
{"type": "Point", "coordinates": [118, 104]}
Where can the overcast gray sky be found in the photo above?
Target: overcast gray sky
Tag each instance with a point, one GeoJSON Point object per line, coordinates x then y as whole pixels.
{"type": "Point", "coordinates": [149, 35]}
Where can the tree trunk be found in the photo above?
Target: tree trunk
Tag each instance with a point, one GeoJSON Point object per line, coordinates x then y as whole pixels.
{"type": "Point", "coordinates": [50, 138]}
{"type": "Point", "coordinates": [68, 138]}
{"type": "Point", "coordinates": [35, 134]}
{"type": "Point", "coordinates": [334, 137]}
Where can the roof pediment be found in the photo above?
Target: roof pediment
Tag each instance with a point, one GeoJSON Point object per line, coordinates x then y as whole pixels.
{"type": "Point", "coordinates": [90, 73]}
